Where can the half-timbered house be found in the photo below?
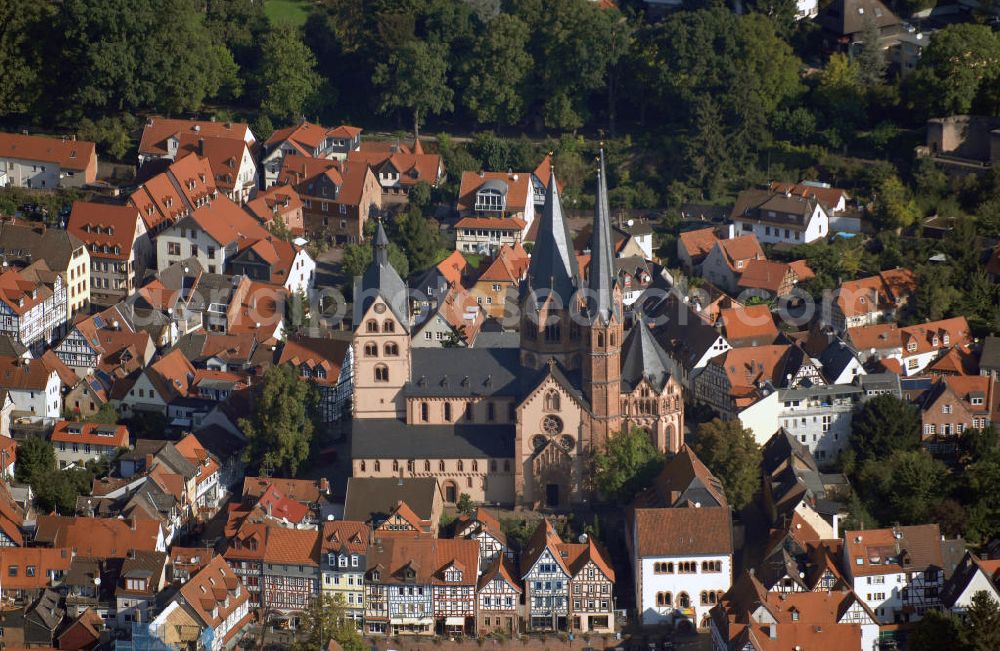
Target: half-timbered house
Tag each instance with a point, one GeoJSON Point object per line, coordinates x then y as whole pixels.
{"type": "Point", "coordinates": [457, 569]}
{"type": "Point", "coordinates": [482, 527]}
{"type": "Point", "coordinates": [546, 580]}
{"type": "Point", "coordinates": [499, 598]}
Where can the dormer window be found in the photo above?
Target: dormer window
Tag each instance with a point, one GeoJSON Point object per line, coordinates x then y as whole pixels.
{"type": "Point", "coordinates": [947, 340]}
{"type": "Point", "coordinates": [375, 575]}
{"type": "Point", "coordinates": [935, 341]}
{"type": "Point", "coordinates": [911, 347]}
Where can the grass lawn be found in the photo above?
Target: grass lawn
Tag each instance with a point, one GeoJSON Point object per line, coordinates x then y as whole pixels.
{"type": "Point", "coordinates": [287, 12]}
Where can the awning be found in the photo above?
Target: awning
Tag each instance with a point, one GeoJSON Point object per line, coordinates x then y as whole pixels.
{"type": "Point", "coordinates": [454, 621]}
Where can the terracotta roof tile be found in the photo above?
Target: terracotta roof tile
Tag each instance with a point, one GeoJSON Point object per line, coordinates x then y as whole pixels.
{"type": "Point", "coordinates": [69, 154]}
{"type": "Point", "coordinates": [683, 531]}
{"type": "Point", "coordinates": [158, 129]}
{"type": "Point", "coordinates": [698, 243]}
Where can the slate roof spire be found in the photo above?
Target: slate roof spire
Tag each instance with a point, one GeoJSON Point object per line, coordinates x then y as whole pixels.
{"type": "Point", "coordinates": [601, 278]}
{"type": "Point", "coordinates": [553, 263]}
{"type": "Point", "coordinates": [382, 279]}
{"type": "Point", "coordinates": [643, 357]}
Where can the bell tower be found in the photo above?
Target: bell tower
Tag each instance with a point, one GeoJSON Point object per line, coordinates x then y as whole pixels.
{"type": "Point", "coordinates": [602, 338]}
{"type": "Point", "coordinates": [549, 295]}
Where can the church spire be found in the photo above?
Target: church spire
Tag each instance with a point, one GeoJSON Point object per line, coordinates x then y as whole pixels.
{"type": "Point", "coordinates": [380, 246]}
{"type": "Point", "coordinates": [382, 279]}
{"type": "Point", "coordinates": [553, 260]}
{"type": "Point", "coordinates": [601, 278]}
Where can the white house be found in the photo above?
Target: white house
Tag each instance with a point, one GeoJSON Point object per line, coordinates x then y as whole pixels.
{"type": "Point", "coordinates": [546, 581]}
{"type": "Point", "coordinates": [728, 259]}
{"type": "Point", "coordinates": [779, 217]}
{"type": "Point", "coordinates": [820, 417]}
{"type": "Point", "coordinates": [972, 575]}
{"type": "Point", "coordinates": [897, 572]}
{"type": "Point", "coordinates": [32, 386]}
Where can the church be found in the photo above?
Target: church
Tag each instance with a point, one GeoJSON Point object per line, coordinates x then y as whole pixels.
{"type": "Point", "coordinates": [511, 426]}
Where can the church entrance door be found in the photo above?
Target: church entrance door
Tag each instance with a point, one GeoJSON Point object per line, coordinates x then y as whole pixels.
{"type": "Point", "coordinates": [552, 495]}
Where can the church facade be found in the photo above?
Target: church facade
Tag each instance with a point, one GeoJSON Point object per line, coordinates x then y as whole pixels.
{"type": "Point", "coordinates": [514, 426]}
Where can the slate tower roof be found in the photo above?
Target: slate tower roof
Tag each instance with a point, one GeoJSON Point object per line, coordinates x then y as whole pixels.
{"type": "Point", "coordinates": [553, 261]}
{"type": "Point", "coordinates": [381, 279]}
{"type": "Point", "coordinates": [643, 357]}
{"type": "Point", "coordinates": [601, 279]}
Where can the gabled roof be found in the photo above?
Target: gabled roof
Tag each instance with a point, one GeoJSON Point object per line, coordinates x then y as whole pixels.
{"type": "Point", "coordinates": [699, 242]}
{"type": "Point", "coordinates": [684, 482]}
{"type": "Point", "coordinates": [885, 290]}
{"type": "Point", "coordinates": [578, 555]}
{"type": "Point", "coordinates": [224, 154]}
{"type": "Point", "coordinates": [347, 535]}
{"type": "Point", "coordinates": [544, 538]}
{"type": "Point", "coordinates": [276, 201]}
{"type": "Point", "coordinates": [101, 225]}
{"type": "Point", "coordinates": [158, 130]}
{"type": "Point", "coordinates": [826, 195]}
{"type": "Point", "coordinates": [211, 594]}
{"type": "Point", "coordinates": [17, 373]}
{"type": "Point", "coordinates": [847, 17]}
{"type": "Point", "coordinates": [412, 168]}
{"type": "Point", "coordinates": [315, 353]}
{"type": "Point", "coordinates": [90, 434]}
{"type": "Point", "coordinates": [752, 325]}
{"type": "Point", "coordinates": [292, 546]}
{"type": "Point", "coordinates": [98, 537]}
{"type": "Point", "coordinates": [303, 490]}
{"type": "Point", "coordinates": [740, 249]}
{"type": "Point", "coordinates": [171, 375]}
{"type": "Point", "coordinates": [895, 550]}
{"type": "Point", "coordinates": [66, 153]}
{"type": "Point", "coordinates": [768, 275]}
{"type": "Point", "coordinates": [382, 280]}
{"type": "Point", "coordinates": [371, 499]}
{"type": "Point", "coordinates": [186, 184]}
{"type": "Point", "coordinates": [307, 136]}
{"type": "Point", "coordinates": [510, 265]}
{"type": "Point", "coordinates": [515, 186]}
{"type": "Point", "coordinates": [705, 531]}
{"type": "Point", "coordinates": [501, 568]}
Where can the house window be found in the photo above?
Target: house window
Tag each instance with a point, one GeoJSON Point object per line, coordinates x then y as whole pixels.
{"type": "Point", "coordinates": [173, 248]}
{"type": "Point", "coordinates": [392, 349]}
{"type": "Point", "coordinates": [389, 326]}
{"type": "Point", "coordinates": [424, 412]}
{"type": "Point", "coordinates": [381, 373]}
{"type": "Point", "coordinates": [371, 349]}
{"type": "Point", "coordinates": [447, 411]}
{"type": "Point", "coordinates": [664, 599]}
{"type": "Point", "coordinates": [371, 326]}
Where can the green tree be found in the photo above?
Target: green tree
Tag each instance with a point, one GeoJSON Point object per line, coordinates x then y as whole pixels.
{"type": "Point", "coordinates": [57, 490]}
{"type": "Point", "coordinates": [936, 293]}
{"type": "Point", "coordinates": [840, 96]}
{"type": "Point", "coordinates": [287, 76]}
{"type": "Point", "coordinates": [982, 632]}
{"type": "Point", "coordinates": [24, 22]}
{"type": "Point", "coordinates": [628, 463]}
{"type": "Point", "coordinates": [731, 453]}
{"type": "Point", "coordinates": [35, 459]}
{"type": "Point", "coordinates": [280, 429]}
{"type": "Point", "coordinates": [419, 239]}
{"type": "Point", "coordinates": [465, 506]}
{"type": "Point", "coordinates": [496, 73]}
{"type": "Point", "coordinates": [707, 150]}
{"type": "Point", "coordinates": [907, 486]}
{"type": "Point", "coordinates": [420, 196]}
{"type": "Point", "coordinates": [106, 415]}
{"type": "Point", "coordinates": [936, 630]}
{"type": "Point", "coordinates": [415, 78]}
{"type": "Point", "coordinates": [958, 64]}
{"type": "Point", "coordinates": [357, 257]}
{"type": "Point", "coordinates": [988, 217]}
{"type": "Point", "coordinates": [871, 58]}
{"type": "Point", "coordinates": [894, 204]}
{"type": "Point", "coordinates": [884, 424]}
{"type": "Point", "coordinates": [326, 619]}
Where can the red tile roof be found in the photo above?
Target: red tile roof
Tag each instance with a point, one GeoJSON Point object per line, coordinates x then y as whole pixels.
{"type": "Point", "coordinates": [303, 490]}
{"type": "Point", "coordinates": [683, 531]}
{"type": "Point", "coordinates": [338, 534]}
{"type": "Point", "coordinates": [698, 243]}
{"type": "Point", "coordinates": [292, 546]}
{"type": "Point", "coordinates": [90, 434]}
{"type": "Point", "coordinates": [16, 562]}
{"type": "Point", "coordinates": [510, 265]}
{"type": "Point", "coordinates": [69, 154]}
{"type": "Point", "coordinates": [412, 168]}
{"type": "Point", "coordinates": [20, 294]}
{"type": "Point", "coordinates": [17, 373]}
{"type": "Point", "coordinates": [892, 551]}
{"type": "Point", "coordinates": [215, 593]}
{"type": "Point", "coordinates": [224, 154]}
{"type": "Point", "coordinates": [829, 197]}
{"type": "Point", "coordinates": [314, 353]}
{"type": "Point", "coordinates": [519, 189]}
{"type": "Point", "coordinates": [495, 223]}
{"type": "Point", "coordinates": [158, 130]}
{"type": "Point", "coordinates": [278, 200]}
{"type": "Point", "coordinates": [742, 248]}
{"type": "Point", "coordinates": [98, 537]}
{"type": "Point", "coordinates": [187, 184]}
{"type": "Point", "coordinates": [886, 290]}
{"type": "Point", "coordinates": [101, 225]}
{"type": "Point", "coordinates": [753, 323]}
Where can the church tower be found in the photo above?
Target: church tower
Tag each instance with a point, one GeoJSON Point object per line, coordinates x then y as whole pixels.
{"type": "Point", "coordinates": [602, 339]}
{"type": "Point", "coordinates": [549, 295]}
{"type": "Point", "coordinates": [381, 343]}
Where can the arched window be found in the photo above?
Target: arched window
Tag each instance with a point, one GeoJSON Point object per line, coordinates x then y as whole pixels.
{"type": "Point", "coordinates": [491, 412]}
{"type": "Point", "coordinates": [704, 598]}
{"type": "Point", "coordinates": [378, 466]}
{"type": "Point", "coordinates": [424, 412]}
{"type": "Point", "coordinates": [506, 465]}
{"type": "Point", "coordinates": [381, 373]}
{"type": "Point", "coordinates": [468, 482]}
{"type": "Point", "coordinates": [461, 466]}
{"type": "Point", "coordinates": [371, 325]}
{"type": "Point", "coordinates": [388, 326]}
{"type": "Point", "coordinates": [663, 599]}
{"type": "Point", "coordinates": [468, 411]}
{"type": "Point", "coordinates": [410, 466]}
{"type": "Point", "coordinates": [670, 568]}
{"type": "Point", "coordinates": [440, 466]}
{"type": "Point", "coordinates": [552, 401]}
{"type": "Point", "coordinates": [612, 339]}
{"type": "Point", "coordinates": [371, 349]}
{"type": "Point", "coordinates": [493, 465]}
{"type": "Point", "coordinates": [600, 340]}
{"type": "Point", "coordinates": [475, 465]}
{"type": "Point", "coordinates": [447, 411]}
{"type": "Point", "coordinates": [391, 349]}
{"type": "Point", "coordinates": [427, 466]}
{"type": "Point", "coordinates": [362, 465]}
{"type": "Point", "coordinates": [395, 465]}
{"type": "Point", "coordinates": [683, 600]}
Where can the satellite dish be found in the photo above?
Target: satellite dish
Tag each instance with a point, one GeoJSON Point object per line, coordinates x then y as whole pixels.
{"type": "Point", "coordinates": [329, 518]}
{"type": "Point", "coordinates": [582, 538]}
{"type": "Point", "coordinates": [631, 223]}
{"type": "Point", "coordinates": [97, 580]}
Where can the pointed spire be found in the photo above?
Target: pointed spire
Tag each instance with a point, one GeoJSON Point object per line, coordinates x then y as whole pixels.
{"type": "Point", "coordinates": [553, 260]}
{"type": "Point", "coordinates": [417, 147]}
{"type": "Point", "coordinates": [643, 357]}
{"type": "Point", "coordinates": [380, 245]}
{"type": "Point", "coordinates": [601, 277]}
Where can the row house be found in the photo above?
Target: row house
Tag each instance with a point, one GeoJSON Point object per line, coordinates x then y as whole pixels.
{"type": "Point", "coordinates": [245, 554]}
{"type": "Point", "coordinates": [728, 259]}
{"type": "Point", "coordinates": [162, 137]}
{"type": "Point", "coordinates": [230, 159]}
{"type": "Point", "coordinates": [495, 209]}
{"type": "Point", "coordinates": [739, 377]}
{"type": "Point", "coordinates": [954, 404]}
{"type": "Point", "coordinates": [29, 571]}
{"type": "Point", "coordinates": [142, 577]}
{"type": "Point", "coordinates": [279, 207]}
{"type": "Point", "coordinates": [328, 365]}
{"type": "Point", "coordinates": [546, 579]}
{"type": "Point", "coordinates": [749, 326]}
{"type": "Point", "coordinates": [751, 618]}
{"type": "Point", "coordinates": [694, 246]}
{"type": "Point", "coordinates": [429, 288]}
{"type": "Point", "coordinates": [820, 417]}
{"type": "Point", "coordinates": [209, 489]}
{"type": "Point", "coordinates": [291, 576]}
{"type": "Point", "coordinates": [21, 243]}
{"type": "Point", "coordinates": [776, 217]}
{"type": "Point", "coordinates": [186, 185]}
{"type": "Point", "coordinates": [898, 573]}
{"type": "Point", "coordinates": [399, 168]}
{"type": "Point", "coordinates": [343, 564]}
{"type": "Point", "coordinates": [34, 387]}
{"type": "Point", "coordinates": [914, 347]}
{"type": "Point", "coordinates": [338, 197]}
{"type": "Point", "coordinates": [119, 247]}
{"type": "Point", "coordinates": [867, 301]}
{"type": "Point", "coordinates": [485, 529]}
{"type": "Point", "coordinates": [971, 576]}
{"type": "Point", "coordinates": [212, 608]}
{"type": "Point", "coordinates": [496, 287]}
{"type": "Point", "coordinates": [76, 443]}
{"type": "Point", "coordinates": [309, 140]}
{"type": "Point", "coordinates": [680, 539]}
{"type": "Point", "coordinates": [41, 162]}
{"type": "Point", "coordinates": [104, 342]}
{"type": "Point", "coordinates": [499, 598]}
{"type": "Point", "coordinates": [769, 279]}
{"type": "Point", "coordinates": [32, 305]}
{"type": "Point", "coordinates": [100, 538]}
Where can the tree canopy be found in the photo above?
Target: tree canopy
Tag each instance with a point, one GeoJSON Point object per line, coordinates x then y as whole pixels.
{"type": "Point", "coordinates": [280, 429]}
{"type": "Point", "coordinates": [628, 464]}
{"type": "Point", "coordinates": [731, 453]}
{"type": "Point", "coordinates": [884, 424]}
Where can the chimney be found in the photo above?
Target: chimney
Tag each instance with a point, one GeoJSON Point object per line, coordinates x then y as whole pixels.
{"type": "Point", "coordinates": [149, 461]}
{"type": "Point", "coordinates": [201, 146]}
